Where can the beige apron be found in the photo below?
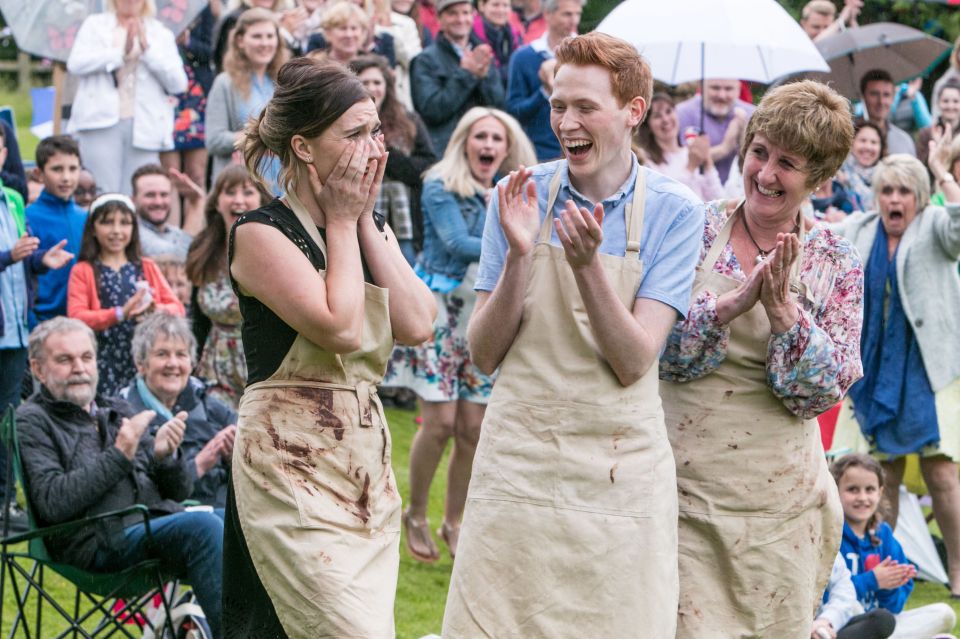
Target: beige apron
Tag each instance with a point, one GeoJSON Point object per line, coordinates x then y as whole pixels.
{"type": "Point", "coordinates": [317, 500]}
{"type": "Point", "coordinates": [570, 523]}
{"type": "Point", "coordinates": [760, 518]}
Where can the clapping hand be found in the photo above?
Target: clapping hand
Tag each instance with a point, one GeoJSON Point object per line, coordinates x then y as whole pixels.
{"type": "Point", "coordinates": [939, 151]}
{"type": "Point", "coordinates": [890, 574]}
{"type": "Point", "coordinates": [169, 436]}
{"type": "Point", "coordinates": [775, 292]}
{"type": "Point", "coordinates": [477, 60]}
{"type": "Point", "coordinates": [580, 233]}
{"type": "Point", "coordinates": [519, 215]}
{"type": "Point", "coordinates": [131, 430]}
{"type": "Point", "coordinates": [219, 447]}
{"type": "Point", "coordinates": [25, 246]}
{"type": "Point", "coordinates": [56, 256]}
{"type": "Point", "coordinates": [186, 187]}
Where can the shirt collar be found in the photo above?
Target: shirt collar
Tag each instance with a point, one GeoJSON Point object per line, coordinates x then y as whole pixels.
{"type": "Point", "coordinates": [540, 44]}
{"type": "Point", "coordinates": [625, 189]}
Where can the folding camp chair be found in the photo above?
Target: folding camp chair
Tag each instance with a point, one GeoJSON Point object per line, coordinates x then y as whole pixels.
{"type": "Point", "coordinates": [134, 587]}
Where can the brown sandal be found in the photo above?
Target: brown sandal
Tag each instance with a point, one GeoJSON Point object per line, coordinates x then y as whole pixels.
{"type": "Point", "coordinates": [450, 536]}
{"type": "Point", "coordinates": [421, 530]}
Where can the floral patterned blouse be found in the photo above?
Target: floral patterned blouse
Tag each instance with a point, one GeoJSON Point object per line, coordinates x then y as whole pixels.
{"type": "Point", "coordinates": [222, 362]}
{"type": "Point", "coordinates": [810, 366]}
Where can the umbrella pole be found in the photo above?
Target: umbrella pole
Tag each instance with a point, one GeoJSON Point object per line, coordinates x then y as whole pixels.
{"type": "Point", "coordinates": [703, 88]}
{"type": "Point", "coordinates": [59, 75]}
{"type": "Point", "coordinates": [703, 81]}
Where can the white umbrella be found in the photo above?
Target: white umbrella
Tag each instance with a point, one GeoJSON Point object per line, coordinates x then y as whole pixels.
{"type": "Point", "coordinates": [686, 40]}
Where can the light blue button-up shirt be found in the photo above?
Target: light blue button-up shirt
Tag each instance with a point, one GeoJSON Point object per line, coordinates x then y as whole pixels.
{"type": "Point", "coordinates": [13, 285]}
{"type": "Point", "coordinates": [669, 244]}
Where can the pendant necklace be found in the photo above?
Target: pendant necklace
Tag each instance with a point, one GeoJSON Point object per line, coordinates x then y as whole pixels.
{"type": "Point", "coordinates": [761, 254]}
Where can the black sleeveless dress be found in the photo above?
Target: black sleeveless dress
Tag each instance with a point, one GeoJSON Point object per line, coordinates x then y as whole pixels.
{"type": "Point", "coordinates": [248, 612]}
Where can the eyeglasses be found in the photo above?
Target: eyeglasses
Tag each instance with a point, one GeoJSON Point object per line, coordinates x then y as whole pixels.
{"type": "Point", "coordinates": [92, 192]}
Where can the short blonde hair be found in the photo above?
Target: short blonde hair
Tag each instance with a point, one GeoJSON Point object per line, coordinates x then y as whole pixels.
{"type": "Point", "coordinates": [807, 118]}
{"type": "Point", "coordinates": [454, 170]}
{"type": "Point", "coordinates": [149, 9]}
{"type": "Point", "coordinates": [343, 12]}
{"type": "Point", "coordinates": [824, 8]}
{"type": "Point", "coordinates": [902, 169]}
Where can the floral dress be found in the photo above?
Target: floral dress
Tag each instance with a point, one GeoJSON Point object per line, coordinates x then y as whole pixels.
{"type": "Point", "coordinates": [809, 367]}
{"type": "Point", "coordinates": [222, 363]}
{"type": "Point", "coordinates": [114, 353]}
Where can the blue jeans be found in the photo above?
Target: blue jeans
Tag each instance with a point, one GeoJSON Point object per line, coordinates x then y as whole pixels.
{"type": "Point", "coordinates": [188, 544]}
{"type": "Point", "coordinates": [13, 366]}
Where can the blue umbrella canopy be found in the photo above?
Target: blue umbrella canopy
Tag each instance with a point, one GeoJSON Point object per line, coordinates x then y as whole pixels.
{"type": "Point", "coordinates": [47, 28]}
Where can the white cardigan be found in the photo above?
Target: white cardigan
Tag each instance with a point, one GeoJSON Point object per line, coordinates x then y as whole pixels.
{"type": "Point", "coordinates": [160, 76]}
{"type": "Point", "coordinates": [928, 281]}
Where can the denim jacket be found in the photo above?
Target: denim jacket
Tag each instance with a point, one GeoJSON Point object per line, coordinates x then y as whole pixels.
{"type": "Point", "coordinates": [452, 229]}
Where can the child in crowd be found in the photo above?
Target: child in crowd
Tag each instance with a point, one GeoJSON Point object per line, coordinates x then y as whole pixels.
{"type": "Point", "coordinates": [882, 575]}
{"type": "Point", "coordinates": [112, 286]}
{"type": "Point", "coordinates": [55, 216]}
{"type": "Point", "coordinates": [87, 190]}
{"type": "Point", "coordinates": [175, 272]}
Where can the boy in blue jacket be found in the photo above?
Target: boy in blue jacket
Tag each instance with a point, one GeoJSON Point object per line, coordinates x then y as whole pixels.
{"type": "Point", "coordinates": [55, 217]}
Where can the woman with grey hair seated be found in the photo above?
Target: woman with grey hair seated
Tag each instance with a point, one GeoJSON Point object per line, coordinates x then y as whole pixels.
{"type": "Point", "coordinates": [909, 398]}
{"type": "Point", "coordinates": [164, 350]}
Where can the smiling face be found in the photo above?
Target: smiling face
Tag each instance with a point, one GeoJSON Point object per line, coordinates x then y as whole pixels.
{"type": "Point", "coordinates": [456, 22]}
{"type": "Point", "coordinates": [860, 496]}
{"type": "Point", "coordinates": [877, 98]}
{"type": "Point", "coordinates": [166, 369]}
{"type": "Point", "coordinates": [898, 208]}
{"type": "Point", "coordinates": [593, 129]}
{"type": "Point", "coordinates": [663, 122]}
{"type": "Point", "coordinates": [774, 181]}
{"type": "Point", "coordinates": [235, 200]}
{"type": "Point", "coordinates": [375, 84]}
{"type": "Point", "coordinates": [720, 96]}
{"type": "Point", "coordinates": [346, 39]}
{"type": "Point", "coordinates": [152, 194]}
{"type": "Point", "coordinates": [358, 125]}
{"type": "Point", "coordinates": [113, 231]}
{"type": "Point", "coordinates": [497, 12]}
{"type": "Point", "coordinates": [486, 148]}
{"type": "Point", "coordinates": [259, 44]}
{"type": "Point", "coordinates": [68, 368]}
{"type": "Point", "coordinates": [949, 104]}
{"type": "Point", "coordinates": [866, 146]}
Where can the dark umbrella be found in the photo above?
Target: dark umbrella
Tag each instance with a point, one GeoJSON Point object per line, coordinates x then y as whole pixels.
{"type": "Point", "coordinates": [902, 51]}
{"type": "Point", "coordinates": [46, 28]}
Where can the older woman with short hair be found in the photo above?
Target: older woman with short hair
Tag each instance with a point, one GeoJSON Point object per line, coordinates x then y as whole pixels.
{"type": "Point", "coordinates": [770, 341]}
{"type": "Point", "coordinates": [163, 351]}
{"type": "Point", "coordinates": [909, 399]}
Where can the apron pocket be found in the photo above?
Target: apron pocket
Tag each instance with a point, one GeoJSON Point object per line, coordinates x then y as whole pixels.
{"type": "Point", "coordinates": [575, 456]}
{"type": "Point", "coordinates": [339, 473]}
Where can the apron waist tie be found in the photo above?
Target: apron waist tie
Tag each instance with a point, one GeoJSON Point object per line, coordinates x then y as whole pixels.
{"type": "Point", "coordinates": [365, 391]}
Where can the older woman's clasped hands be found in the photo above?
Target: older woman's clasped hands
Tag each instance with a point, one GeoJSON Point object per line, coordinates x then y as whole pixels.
{"type": "Point", "coordinates": [769, 284]}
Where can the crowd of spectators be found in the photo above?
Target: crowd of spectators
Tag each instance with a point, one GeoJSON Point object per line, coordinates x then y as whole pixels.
{"type": "Point", "coordinates": [114, 244]}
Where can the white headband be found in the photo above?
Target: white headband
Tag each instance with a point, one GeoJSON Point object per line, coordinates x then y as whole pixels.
{"type": "Point", "coordinates": [106, 198]}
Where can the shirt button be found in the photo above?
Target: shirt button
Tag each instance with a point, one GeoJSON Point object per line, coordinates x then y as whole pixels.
{"type": "Point", "coordinates": [919, 322]}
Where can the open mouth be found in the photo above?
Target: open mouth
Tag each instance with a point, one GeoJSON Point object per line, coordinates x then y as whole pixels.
{"type": "Point", "coordinates": [486, 160]}
{"type": "Point", "coordinates": [578, 149]}
{"type": "Point", "coordinates": [895, 216]}
{"type": "Point", "coordinates": [768, 192]}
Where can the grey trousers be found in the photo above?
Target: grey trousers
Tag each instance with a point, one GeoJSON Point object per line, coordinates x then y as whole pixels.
{"type": "Point", "coordinates": [110, 155]}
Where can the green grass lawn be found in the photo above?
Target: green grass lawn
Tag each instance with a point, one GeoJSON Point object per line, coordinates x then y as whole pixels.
{"type": "Point", "coordinates": [422, 590]}
{"type": "Point", "coordinates": [22, 113]}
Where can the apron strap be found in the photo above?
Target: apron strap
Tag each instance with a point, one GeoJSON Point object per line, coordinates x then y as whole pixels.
{"type": "Point", "coordinates": [311, 227]}
{"type": "Point", "coordinates": [634, 209]}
